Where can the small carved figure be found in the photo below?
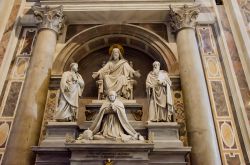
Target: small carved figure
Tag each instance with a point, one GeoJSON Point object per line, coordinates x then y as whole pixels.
{"type": "Point", "coordinates": [111, 122]}
{"type": "Point", "coordinates": [158, 87]}
{"type": "Point", "coordinates": [71, 87]}
{"type": "Point", "coordinates": [117, 73]}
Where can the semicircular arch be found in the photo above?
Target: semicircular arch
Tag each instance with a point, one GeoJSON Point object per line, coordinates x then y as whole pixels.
{"type": "Point", "coordinates": [101, 36]}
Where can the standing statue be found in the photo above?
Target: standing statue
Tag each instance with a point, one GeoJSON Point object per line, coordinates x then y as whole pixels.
{"type": "Point", "coordinates": [111, 122]}
{"type": "Point", "coordinates": [117, 73]}
{"type": "Point", "coordinates": [159, 94]}
{"type": "Point", "coordinates": [71, 87]}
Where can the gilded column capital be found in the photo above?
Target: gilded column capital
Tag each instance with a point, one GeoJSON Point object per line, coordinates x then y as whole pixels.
{"type": "Point", "coordinates": [184, 17]}
{"type": "Point", "coordinates": [49, 18]}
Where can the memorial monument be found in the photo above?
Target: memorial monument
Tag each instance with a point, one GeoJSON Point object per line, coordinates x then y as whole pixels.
{"type": "Point", "coordinates": [196, 95]}
{"type": "Point", "coordinates": [112, 132]}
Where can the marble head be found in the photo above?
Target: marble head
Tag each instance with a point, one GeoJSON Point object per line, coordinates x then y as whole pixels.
{"type": "Point", "coordinates": [112, 96]}
{"type": "Point", "coordinates": [74, 67]}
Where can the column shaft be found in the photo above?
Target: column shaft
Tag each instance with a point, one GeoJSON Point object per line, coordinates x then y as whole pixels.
{"type": "Point", "coordinates": [200, 125]}
{"type": "Point", "coordinates": [26, 128]}
{"type": "Point", "coordinates": [27, 123]}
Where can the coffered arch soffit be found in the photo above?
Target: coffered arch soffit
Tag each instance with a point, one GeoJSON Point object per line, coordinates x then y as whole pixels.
{"type": "Point", "coordinates": [101, 36]}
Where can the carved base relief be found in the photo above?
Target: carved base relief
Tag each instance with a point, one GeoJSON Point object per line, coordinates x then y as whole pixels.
{"type": "Point", "coordinates": [180, 116]}
{"type": "Point", "coordinates": [51, 104]}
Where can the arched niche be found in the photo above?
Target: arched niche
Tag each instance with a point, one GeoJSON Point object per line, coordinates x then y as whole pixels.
{"type": "Point", "coordinates": [89, 49]}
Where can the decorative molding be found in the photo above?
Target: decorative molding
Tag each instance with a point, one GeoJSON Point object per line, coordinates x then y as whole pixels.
{"type": "Point", "coordinates": [49, 18]}
{"type": "Point", "coordinates": [15, 81]}
{"type": "Point", "coordinates": [180, 115]}
{"type": "Point", "coordinates": [226, 131]}
{"type": "Point", "coordinates": [184, 17]}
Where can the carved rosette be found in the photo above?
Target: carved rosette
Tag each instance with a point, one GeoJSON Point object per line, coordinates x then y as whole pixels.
{"type": "Point", "coordinates": [49, 18]}
{"type": "Point", "coordinates": [184, 17]}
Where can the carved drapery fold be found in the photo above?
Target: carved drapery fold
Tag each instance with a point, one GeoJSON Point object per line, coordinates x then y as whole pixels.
{"type": "Point", "coordinates": [49, 18]}
{"type": "Point", "coordinates": [184, 17]}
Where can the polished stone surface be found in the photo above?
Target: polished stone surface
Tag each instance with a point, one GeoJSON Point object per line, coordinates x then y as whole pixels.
{"type": "Point", "coordinates": [164, 134]}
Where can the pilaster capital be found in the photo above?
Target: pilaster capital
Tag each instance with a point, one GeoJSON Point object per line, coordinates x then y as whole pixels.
{"type": "Point", "coordinates": [184, 17]}
{"type": "Point", "coordinates": [49, 18]}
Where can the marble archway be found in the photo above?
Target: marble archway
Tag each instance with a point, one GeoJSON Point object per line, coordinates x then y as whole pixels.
{"type": "Point", "coordinates": [102, 36]}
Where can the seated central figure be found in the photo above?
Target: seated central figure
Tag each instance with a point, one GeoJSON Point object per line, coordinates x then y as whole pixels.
{"type": "Point", "coordinates": [117, 73]}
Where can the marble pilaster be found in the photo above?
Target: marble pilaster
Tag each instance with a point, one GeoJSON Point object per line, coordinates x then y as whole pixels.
{"type": "Point", "coordinates": [27, 124]}
{"type": "Point", "coordinates": [200, 125]}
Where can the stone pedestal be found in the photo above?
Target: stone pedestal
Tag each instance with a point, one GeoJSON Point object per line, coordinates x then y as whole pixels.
{"type": "Point", "coordinates": [119, 153]}
{"type": "Point", "coordinates": [133, 110]}
{"type": "Point", "coordinates": [163, 147]}
{"type": "Point", "coordinates": [164, 134]}
{"type": "Point", "coordinates": [169, 156]}
{"type": "Point", "coordinates": [168, 149]}
{"type": "Point", "coordinates": [52, 149]}
{"type": "Point", "coordinates": [56, 133]}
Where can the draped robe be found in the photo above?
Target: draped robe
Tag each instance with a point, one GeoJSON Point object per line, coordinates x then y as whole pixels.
{"type": "Point", "coordinates": [71, 87]}
{"type": "Point", "coordinates": [111, 122]}
{"type": "Point", "coordinates": [160, 98]}
{"type": "Point", "coordinates": [115, 77]}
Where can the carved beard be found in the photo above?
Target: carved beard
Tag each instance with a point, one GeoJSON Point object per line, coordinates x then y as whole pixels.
{"type": "Point", "coordinates": [156, 71]}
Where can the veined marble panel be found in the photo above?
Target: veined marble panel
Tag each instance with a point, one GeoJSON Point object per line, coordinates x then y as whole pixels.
{"type": "Point", "coordinates": [227, 134]}
{"type": "Point", "coordinates": [16, 77]}
{"type": "Point", "coordinates": [222, 111]}
{"type": "Point", "coordinates": [1, 156]}
{"type": "Point", "coordinates": [4, 132]}
{"type": "Point", "coordinates": [180, 115]}
{"type": "Point", "coordinates": [51, 105]}
{"type": "Point", "coordinates": [11, 98]}
{"type": "Point", "coordinates": [233, 158]}
{"type": "Point", "coordinates": [20, 68]}
{"type": "Point", "coordinates": [27, 41]}
{"type": "Point", "coordinates": [206, 42]}
{"type": "Point", "coordinates": [219, 100]}
{"type": "Point", "coordinates": [212, 66]}
{"type": "Point", "coordinates": [237, 65]}
{"type": "Point", "coordinates": [245, 11]}
{"type": "Point", "coordinates": [8, 29]}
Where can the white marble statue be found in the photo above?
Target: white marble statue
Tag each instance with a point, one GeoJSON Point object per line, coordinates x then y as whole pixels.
{"type": "Point", "coordinates": [71, 87]}
{"type": "Point", "coordinates": [117, 73]}
{"type": "Point", "coordinates": [158, 87]}
{"type": "Point", "coordinates": [111, 123]}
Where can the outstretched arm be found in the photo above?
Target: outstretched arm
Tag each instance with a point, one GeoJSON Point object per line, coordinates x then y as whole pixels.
{"type": "Point", "coordinates": [104, 70]}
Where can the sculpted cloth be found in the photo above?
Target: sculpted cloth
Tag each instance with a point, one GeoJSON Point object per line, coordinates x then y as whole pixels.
{"type": "Point", "coordinates": [71, 87]}
{"type": "Point", "coordinates": [159, 94]}
{"type": "Point", "coordinates": [115, 77]}
{"type": "Point", "coordinates": [112, 123]}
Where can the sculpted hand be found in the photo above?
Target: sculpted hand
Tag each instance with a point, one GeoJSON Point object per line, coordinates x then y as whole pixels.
{"type": "Point", "coordinates": [67, 88]}
{"type": "Point", "coordinates": [137, 73]}
{"type": "Point", "coordinates": [95, 74]}
{"type": "Point", "coordinates": [164, 83]}
{"type": "Point", "coordinates": [112, 107]}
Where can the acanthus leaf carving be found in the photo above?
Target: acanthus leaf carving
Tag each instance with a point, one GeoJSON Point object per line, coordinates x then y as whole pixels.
{"type": "Point", "coordinates": [185, 17]}
{"type": "Point", "coordinates": [49, 18]}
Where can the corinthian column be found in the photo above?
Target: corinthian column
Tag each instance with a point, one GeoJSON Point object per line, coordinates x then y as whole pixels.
{"type": "Point", "coordinates": [27, 124]}
{"type": "Point", "coordinates": [200, 125]}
